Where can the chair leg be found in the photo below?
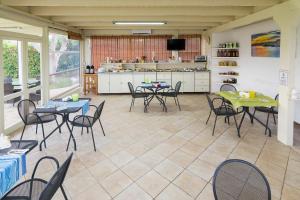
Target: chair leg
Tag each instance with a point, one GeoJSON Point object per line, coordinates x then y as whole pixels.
{"type": "Point", "coordinates": [101, 127]}
{"type": "Point", "coordinates": [228, 120]}
{"type": "Point", "coordinates": [87, 129]}
{"type": "Point", "coordinates": [81, 130]}
{"type": "Point", "coordinates": [215, 125]}
{"type": "Point", "coordinates": [44, 135]}
{"type": "Point", "coordinates": [267, 124]}
{"type": "Point", "coordinates": [70, 138]}
{"type": "Point", "coordinates": [274, 118]}
{"type": "Point", "coordinates": [208, 116]}
{"type": "Point", "coordinates": [36, 128]}
{"type": "Point", "coordinates": [58, 125]}
{"type": "Point", "coordinates": [93, 138]}
{"type": "Point", "coordinates": [175, 101]}
{"type": "Point", "coordinates": [178, 104]}
{"type": "Point", "coordinates": [253, 116]}
{"type": "Point", "coordinates": [132, 102]}
{"type": "Point", "coordinates": [237, 127]}
{"type": "Point", "coordinates": [63, 192]}
{"type": "Point", "coordinates": [22, 136]}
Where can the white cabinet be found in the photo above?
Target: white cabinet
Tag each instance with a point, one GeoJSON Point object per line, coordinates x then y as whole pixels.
{"type": "Point", "coordinates": [188, 81]}
{"type": "Point", "coordinates": [150, 76]}
{"type": "Point", "coordinates": [103, 83]}
{"type": "Point", "coordinates": [164, 77]}
{"type": "Point", "coordinates": [202, 80]}
{"type": "Point", "coordinates": [138, 78]}
{"type": "Point", "coordinates": [119, 82]}
{"type": "Point", "coordinates": [177, 76]}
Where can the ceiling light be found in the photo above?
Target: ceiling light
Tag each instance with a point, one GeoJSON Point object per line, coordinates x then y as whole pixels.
{"type": "Point", "coordinates": [138, 23]}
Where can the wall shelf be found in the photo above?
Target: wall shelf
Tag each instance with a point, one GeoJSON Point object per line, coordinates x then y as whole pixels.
{"type": "Point", "coordinates": [216, 57]}
{"type": "Point", "coordinates": [225, 48]}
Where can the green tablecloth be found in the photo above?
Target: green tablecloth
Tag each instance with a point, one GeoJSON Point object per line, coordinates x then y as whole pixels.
{"type": "Point", "coordinates": [259, 101]}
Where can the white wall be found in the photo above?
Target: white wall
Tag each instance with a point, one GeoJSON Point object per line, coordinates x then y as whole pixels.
{"type": "Point", "coordinates": [256, 73]}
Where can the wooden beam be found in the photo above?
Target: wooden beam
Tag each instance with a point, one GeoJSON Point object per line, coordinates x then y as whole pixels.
{"type": "Point", "coordinates": [144, 27]}
{"type": "Point", "coordinates": [99, 24]}
{"type": "Point", "coordinates": [100, 11]}
{"type": "Point", "coordinates": [140, 3]}
{"type": "Point", "coordinates": [66, 19]}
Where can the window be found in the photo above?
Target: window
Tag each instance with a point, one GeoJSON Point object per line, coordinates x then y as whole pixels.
{"type": "Point", "coordinates": [64, 66]}
{"type": "Point", "coordinates": [128, 48]}
{"type": "Point", "coordinates": [192, 47]}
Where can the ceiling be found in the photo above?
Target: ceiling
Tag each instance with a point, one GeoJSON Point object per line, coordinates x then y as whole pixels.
{"type": "Point", "coordinates": [18, 27]}
{"type": "Point", "coordinates": [179, 14]}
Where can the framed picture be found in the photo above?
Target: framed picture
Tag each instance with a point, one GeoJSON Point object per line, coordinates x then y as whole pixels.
{"type": "Point", "coordinates": [266, 44]}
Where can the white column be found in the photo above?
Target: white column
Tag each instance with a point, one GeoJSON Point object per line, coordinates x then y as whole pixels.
{"type": "Point", "coordinates": [23, 67]}
{"type": "Point", "coordinates": [288, 24]}
{"type": "Point", "coordinates": [1, 88]}
{"type": "Point", "coordinates": [45, 65]}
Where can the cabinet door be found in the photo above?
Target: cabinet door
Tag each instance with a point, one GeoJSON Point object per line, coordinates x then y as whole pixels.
{"type": "Point", "coordinates": [103, 83]}
{"type": "Point", "coordinates": [202, 82]}
{"type": "Point", "coordinates": [177, 76]}
{"type": "Point", "coordinates": [115, 83]}
{"type": "Point", "coordinates": [138, 78]}
{"type": "Point", "coordinates": [188, 82]}
{"type": "Point", "coordinates": [164, 76]}
{"type": "Point", "coordinates": [125, 78]}
{"type": "Point", "coordinates": [150, 76]}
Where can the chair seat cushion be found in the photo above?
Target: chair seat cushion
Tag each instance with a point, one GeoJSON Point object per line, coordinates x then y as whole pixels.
{"type": "Point", "coordinates": [22, 191]}
{"type": "Point", "coordinates": [224, 111]}
{"type": "Point", "coordinates": [267, 109]}
{"type": "Point", "coordinates": [83, 121]}
{"type": "Point", "coordinates": [43, 118]}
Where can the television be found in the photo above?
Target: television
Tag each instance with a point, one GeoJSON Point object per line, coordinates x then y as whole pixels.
{"type": "Point", "coordinates": [176, 44]}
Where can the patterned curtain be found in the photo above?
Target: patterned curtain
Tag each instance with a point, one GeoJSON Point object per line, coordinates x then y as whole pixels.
{"type": "Point", "coordinates": [192, 47]}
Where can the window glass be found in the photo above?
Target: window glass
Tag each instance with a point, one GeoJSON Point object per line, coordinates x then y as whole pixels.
{"type": "Point", "coordinates": [64, 66]}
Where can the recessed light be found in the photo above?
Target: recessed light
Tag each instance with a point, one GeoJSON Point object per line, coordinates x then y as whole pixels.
{"type": "Point", "coordinates": [138, 23]}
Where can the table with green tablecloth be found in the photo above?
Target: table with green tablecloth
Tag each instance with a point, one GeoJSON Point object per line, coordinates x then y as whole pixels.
{"type": "Point", "coordinates": [259, 100]}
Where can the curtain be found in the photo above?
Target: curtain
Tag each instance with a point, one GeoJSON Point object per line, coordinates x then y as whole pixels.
{"type": "Point", "coordinates": [192, 47]}
{"type": "Point", "coordinates": [129, 47]}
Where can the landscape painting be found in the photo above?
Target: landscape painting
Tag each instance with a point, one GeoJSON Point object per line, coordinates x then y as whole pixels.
{"type": "Point", "coordinates": [266, 44]}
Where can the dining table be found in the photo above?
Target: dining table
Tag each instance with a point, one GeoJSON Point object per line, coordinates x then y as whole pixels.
{"type": "Point", "coordinates": [155, 88]}
{"type": "Point", "coordinates": [64, 109]}
{"type": "Point", "coordinates": [242, 101]}
{"type": "Point", "coordinates": [13, 163]}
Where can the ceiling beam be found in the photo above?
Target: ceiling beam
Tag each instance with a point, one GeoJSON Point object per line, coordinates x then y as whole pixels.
{"type": "Point", "coordinates": [99, 24]}
{"type": "Point", "coordinates": [143, 18]}
{"type": "Point", "coordinates": [140, 3]}
{"type": "Point", "coordinates": [144, 28]}
{"type": "Point", "coordinates": [99, 11]}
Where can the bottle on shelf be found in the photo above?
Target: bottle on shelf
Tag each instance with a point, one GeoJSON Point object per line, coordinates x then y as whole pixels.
{"type": "Point", "coordinates": [92, 69]}
{"type": "Point", "coordinates": [87, 69]}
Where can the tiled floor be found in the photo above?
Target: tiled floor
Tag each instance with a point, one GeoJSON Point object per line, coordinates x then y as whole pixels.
{"type": "Point", "coordinates": [162, 156]}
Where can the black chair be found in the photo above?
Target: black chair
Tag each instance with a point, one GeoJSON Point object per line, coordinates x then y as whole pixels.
{"type": "Point", "coordinates": [269, 110]}
{"type": "Point", "coordinates": [228, 87]}
{"type": "Point", "coordinates": [173, 93]}
{"type": "Point", "coordinates": [40, 189]}
{"type": "Point", "coordinates": [88, 122]}
{"type": "Point", "coordinates": [236, 179]}
{"type": "Point", "coordinates": [35, 96]}
{"type": "Point", "coordinates": [221, 109]}
{"type": "Point", "coordinates": [25, 110]}
{"type": "Point", "coordinates": [138, 93]}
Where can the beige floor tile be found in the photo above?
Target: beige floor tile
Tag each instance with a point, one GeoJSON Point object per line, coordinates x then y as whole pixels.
{"type": "Point", "coordinates": [151, 158]}
{"type": "Point", "coordinates": [110, 149]}
{"type": "Point", "coordinates": [203, 169]}
{"type": "Point", "coordinates": [190, 183]}
{"type": "Point", "coordinates": [133, 192]}
{"type": "Point", "coordinates": [121, 158]}
{"type": "Point", "coordinates": [137, 149]}
{"type": "Point", "coordinates": [168, 169]}
{"type": "Point", "coordinates": [192, 149]}
{"type": "Point", "coordinates": [152, 183]}
{"type": "Point", "coordinates": [96, 192]}
{"type": "Point", "coordinates": [135, 169]}
{"type": "Point", "coordinates": [207, 193]}
{"type": "Point", "coordinates": [293, 179]}
{"type": "Point", "coordinates": [293, 166]}
{"type": "Point", "coordinates": [290, 193]}
{"type": "Point", "coordinates": [212, 157]}
{"type": "Point", "coordinates": [271, 170]}
{"type": "Point", "coordinates": [164, 149]}
{"type": "Point", "coordinates": [173, 193]}
{"type": "Point", "coordinates": [116, 183]}
{"type": "Point", "coordinates": [91, 158]}
{"type": "Point", "coordinates": [103, 169]}
{"type": "Point", "coordinates": [181, 158]}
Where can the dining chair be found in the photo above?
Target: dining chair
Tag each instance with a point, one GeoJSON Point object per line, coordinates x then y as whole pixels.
{"type": "Point", "coordinates": [269, 110]}
{"type": "Point", "coordinates": [136, 94]}
{"type": "Point", "coordinates": [88, 122]}
{"type": "Point", "coordinates": [173, 93]}
{"type": "Point", "coordinates": [40, 189]}
{"type": "Point", "coordinates": [221, 109]}
{"type": "Point", "coordinates": [227, 87]}
{"type": "Point", "coordinates": [25, 110]}
{"type": "Point", "coordinates": [236, 179]}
